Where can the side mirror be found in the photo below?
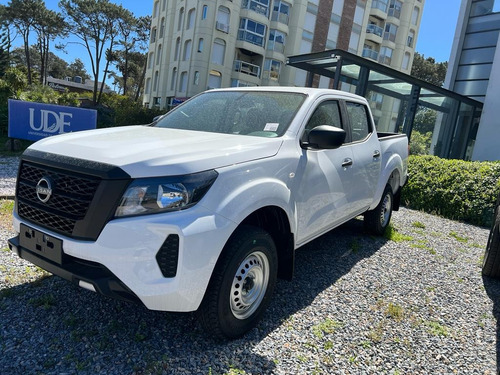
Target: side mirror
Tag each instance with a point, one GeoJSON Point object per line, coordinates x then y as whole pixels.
{"type": "Point", "coordinates": [325, 137]}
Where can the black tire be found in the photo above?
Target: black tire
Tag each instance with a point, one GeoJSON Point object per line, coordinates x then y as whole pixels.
{"type": "Point", "coordinates": [242, 284]}
{"type": "Point", "coordinates": [491, 260]}
{"type": "Point", "coordinates": [377, 220]}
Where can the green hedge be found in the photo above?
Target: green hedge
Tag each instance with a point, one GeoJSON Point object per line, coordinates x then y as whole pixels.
{"type": "Point", "coordinates": [456, 189]}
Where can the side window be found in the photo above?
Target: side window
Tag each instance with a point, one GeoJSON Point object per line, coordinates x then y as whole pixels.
{"type": "Point", "coordinates": [327, 113]}
{"type": "Point", "coordinates": [358, 117]}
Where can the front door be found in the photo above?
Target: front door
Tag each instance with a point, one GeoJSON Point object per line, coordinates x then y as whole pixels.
{"type": "Point", "coordinates": [325, 179]}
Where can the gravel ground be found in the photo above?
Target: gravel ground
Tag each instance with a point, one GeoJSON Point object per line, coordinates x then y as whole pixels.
{"type": "Point", "coordinates": [358, 305]}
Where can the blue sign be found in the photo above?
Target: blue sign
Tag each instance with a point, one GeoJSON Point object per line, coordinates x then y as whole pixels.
{"type": "Point", "coordinates": [34, 121]}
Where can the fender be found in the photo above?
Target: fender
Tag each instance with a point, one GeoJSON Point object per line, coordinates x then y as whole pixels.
{"type": "Point", "coordinates": [264, 192]}
{"type": "Point", "coordinates": [394, 163]}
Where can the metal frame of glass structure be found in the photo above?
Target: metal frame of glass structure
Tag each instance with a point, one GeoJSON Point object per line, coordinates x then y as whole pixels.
{"type": "Point", "coordinates": [401, 103]}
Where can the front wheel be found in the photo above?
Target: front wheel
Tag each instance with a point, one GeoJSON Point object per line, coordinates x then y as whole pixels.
{"type": "Point", "coordinates": [377, 220]}
{"type": "Point", "coordinates": [241, 285]}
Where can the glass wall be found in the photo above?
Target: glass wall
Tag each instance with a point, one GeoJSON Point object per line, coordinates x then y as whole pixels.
{"type": "Point", "coordinates": [437, 121]}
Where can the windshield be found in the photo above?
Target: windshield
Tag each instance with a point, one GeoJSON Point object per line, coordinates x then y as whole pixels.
{"type": "Point", "coordinates": [264, 114]}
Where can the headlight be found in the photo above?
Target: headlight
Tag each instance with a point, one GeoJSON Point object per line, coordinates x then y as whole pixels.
{"type": "Point", "coordinates": [162, 194]}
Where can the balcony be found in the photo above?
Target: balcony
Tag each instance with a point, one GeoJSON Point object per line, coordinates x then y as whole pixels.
{"type": "Point", "coordinates": [276, 46]}
{"type": "Point", "coordinates": [255, 6]}
{"type": "Point", "coordinates": [374, 29]}
{"type": "Point", "coordinates": [380, 5]}
{"type": "Point", "coordinates": [280, 17]}
{"type": "Point", "coordinates": [250, 37]}
{"type": "Point", "coordinates": [370, 54]}
{"type": "Point", "coordinates": [246, 68]}
{"type": "Point", "coordinates": [222, 27]}
{"type": "Point", "coordinates": [395, 12]}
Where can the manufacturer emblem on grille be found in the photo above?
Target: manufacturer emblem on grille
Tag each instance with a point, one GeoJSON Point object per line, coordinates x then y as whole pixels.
{"type": "Point", "coordinates": [44, 189]}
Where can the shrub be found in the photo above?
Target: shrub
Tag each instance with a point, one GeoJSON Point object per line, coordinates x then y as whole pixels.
{"type": "Point", "coordinates": [456, 189]}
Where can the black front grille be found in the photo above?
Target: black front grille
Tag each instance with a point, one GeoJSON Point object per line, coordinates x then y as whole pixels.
{"type": "Point", "coordinates": [71, 197]}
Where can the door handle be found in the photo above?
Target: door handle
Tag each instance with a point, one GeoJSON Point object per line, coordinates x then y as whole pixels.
{"type": "Point", "coordinates": [347, 162]}
{"type": "Point", "coordinates": [376, 154]}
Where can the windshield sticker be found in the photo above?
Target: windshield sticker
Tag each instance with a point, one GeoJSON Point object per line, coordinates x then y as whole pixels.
{"type": "Point", "coordinates": [271, 127]}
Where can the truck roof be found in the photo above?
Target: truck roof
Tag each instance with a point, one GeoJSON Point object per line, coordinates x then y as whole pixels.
{"type": "Point", "coordinates": [309, 91]}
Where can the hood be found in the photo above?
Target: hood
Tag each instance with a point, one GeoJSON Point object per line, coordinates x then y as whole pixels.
{"type": "Point", "coordinates": [144, 151]}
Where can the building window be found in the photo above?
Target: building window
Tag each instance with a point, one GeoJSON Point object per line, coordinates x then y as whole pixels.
{"type": "Point", "coordinates": [200, 45]}
{"type": "Point", "coordinates": [153, 35]}
{"type": "Point", "coordinates": [414, 16]}
{"type": "Point", "coordinates": [272, 69]}
{"type": "Point", "coordinates": [281, 12]}
{"type": "Point", "coordinates": [164, 5]}
{"type": "Point", "coordinates": [155, 82]}
{"type": "Point", "coordinates": [395, 8]}
{"type": "Point", "coordinates": [177, 49]}
{"type": "Point", "coordinates": [218, 51]}
{"type": "Point", "coordinates": [151, 60]}
{"type": "Point", "coordinates": [252, 32]}
{"type": "Point", "coordinates": [214, 79]}
{"type": "Point", "coordinates": [276, 41]}
{"type": "Point", "coordinates": [180, 21]}
{"type": "Point", "coordinates": [196, 79]}
{"type": "Point", "coordinates": [204, 12]}
{"type": "Point", "coordinates": [187, 50]}
{"type": "Point", "coordinates": [406, 61]}
{"type": "Point", "coordinates": [173, 79]}
{"type": "Point", "coordinates": [162, 27]}
{"type": "Point", "coordinates": [223, 18]}
{"type": "Point", "coordinates": [183, 82]}
{"type": "Point", "coordinates": [155, 9]}
{"type": "Point", "coordinates": [355, 37]}
{"type": "Point", "coordinates": [380, 4]}
{"type": "Point", "coordinates": [158, 55]}
{"type": "Point", "coordinates": [385, 55]}
{"type": "Point", "coordinates": [258, 6]}
{"type": "Point", "coordinates": [390, 32]}
{"type": "Point", "coordinates": [411, 38]}
{"type": "Point", "coordinates": [148, 86]}
{"type": "Point", "coordinates": [190, 21]}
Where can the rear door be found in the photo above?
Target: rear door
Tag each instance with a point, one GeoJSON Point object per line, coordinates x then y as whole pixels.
{"type": "Point", "coordinates": [365, 146]}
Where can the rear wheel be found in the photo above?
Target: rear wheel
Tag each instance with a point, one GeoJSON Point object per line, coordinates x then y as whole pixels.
{"type": "Point", "coordinates": [491, 261]}
{"type": "Point", "coordinates": [377, 220]}
{"type": "Point", "coordinates": [242, 284]}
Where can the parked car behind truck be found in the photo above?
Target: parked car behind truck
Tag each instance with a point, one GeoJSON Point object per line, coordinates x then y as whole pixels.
{"type": "Point", "coordinates": [204, 209]}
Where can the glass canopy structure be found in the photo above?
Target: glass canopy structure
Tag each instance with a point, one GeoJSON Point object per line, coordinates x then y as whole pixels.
{"type": "Point", "coordinates": [437, 121]}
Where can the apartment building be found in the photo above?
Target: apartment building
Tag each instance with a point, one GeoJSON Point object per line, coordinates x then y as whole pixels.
{"type": "Point", "coordinates": [198, 44]}
{"type": "Point", "coordinates": [474, 71]}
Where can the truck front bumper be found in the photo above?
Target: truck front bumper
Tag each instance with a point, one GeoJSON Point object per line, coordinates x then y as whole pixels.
{"type": "Point", "coordinates": [133, 258]}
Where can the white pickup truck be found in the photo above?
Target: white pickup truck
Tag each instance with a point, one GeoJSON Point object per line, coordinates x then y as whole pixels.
{"type": "Point", "coordinates": [204, 209]}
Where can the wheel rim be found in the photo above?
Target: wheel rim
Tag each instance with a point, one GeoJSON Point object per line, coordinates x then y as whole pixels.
{"type": "Point", "coordinates": [249, 285]}
{"type": "Point", "coordinates": [386, 209]}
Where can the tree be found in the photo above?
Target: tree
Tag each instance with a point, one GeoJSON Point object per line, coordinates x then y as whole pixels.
{"type": "Point", "coordinates": [5, 41]}
{"type": "Point", "coordinates": [55, 66]}
{"type": "Point", "coordinates": [142, 43]}
{"type": "Point", "coordinates": [22, 14]}
{"type": "Point", "coordinates": [427, 69]}
{"type": "Point", "coordinates": [77, 68]}
{"type": "Point", "coordinates": [48, 25]}
{"type": "Point", "coordinates": [127, 26]}
{"type": "Point", "coordinates": [92, 21]}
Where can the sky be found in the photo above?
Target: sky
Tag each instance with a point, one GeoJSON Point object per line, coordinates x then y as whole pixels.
{"type": "Point", "coordinates": [437, 28]}
{"type": "Point", "coordinates": [435, 37]}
